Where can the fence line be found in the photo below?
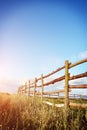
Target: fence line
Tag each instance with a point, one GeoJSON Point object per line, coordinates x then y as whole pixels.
{"type": "Point", "coordinates": [26, 89]}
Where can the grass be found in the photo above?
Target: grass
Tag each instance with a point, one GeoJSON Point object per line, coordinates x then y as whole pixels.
{"type": "Point", "coordinates": [61, 100]}
{"type": "Point", "coordinates": [23, 113]}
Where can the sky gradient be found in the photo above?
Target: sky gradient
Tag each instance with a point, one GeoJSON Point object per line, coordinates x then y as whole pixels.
{"type": "Point", "coordinates": [37, 37]}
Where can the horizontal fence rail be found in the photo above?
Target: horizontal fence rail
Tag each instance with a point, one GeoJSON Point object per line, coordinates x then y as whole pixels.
{"type": "Point", "coordinates": [50, 74]}
{"type": "Point", "coordinates": [78, 86]}
{"type": "Point", "coordinates": [30, 88]}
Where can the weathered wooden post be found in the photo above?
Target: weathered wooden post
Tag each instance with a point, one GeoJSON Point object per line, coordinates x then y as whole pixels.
{"type": "Point", "coordinates": [25, 91]}
{"type": "Point", "coordinates": [28, 88]}
{"type": "Point", "coordinates": [42, 87]}
{"type": "Point", "coordinates": [35, 85]}
{"type": "Point", "coordinates": [66, 85]}
{"type": "Point", "coordinates": [66, 92]}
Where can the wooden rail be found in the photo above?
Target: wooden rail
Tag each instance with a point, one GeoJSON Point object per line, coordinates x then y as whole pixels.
{"type": "Point", "coordinates": [78, 76]}
{"type": "Point", "coordinates": [50, 74]}
{"type": "Point", "coordinates": [78, 86]}
{"type": "Point", "coordinates": [57, 80]}
{"type": "Point", "coordinates": [77, 63]}
{"type": "Point", "coordinates": [26, 89]}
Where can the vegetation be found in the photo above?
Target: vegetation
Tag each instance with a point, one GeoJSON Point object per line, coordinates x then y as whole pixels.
{"type": "Point", "coordinates": [23, 113]}
{"type": "Point", "coordinates": [61, 100]}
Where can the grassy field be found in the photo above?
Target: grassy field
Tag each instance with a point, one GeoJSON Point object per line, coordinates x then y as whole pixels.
{"type": "Point", "coordinates": [61, 100]}
{"type": "Point", "coordinates": [23, 113]}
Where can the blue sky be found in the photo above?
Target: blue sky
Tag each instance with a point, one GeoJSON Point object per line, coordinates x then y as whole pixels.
{"type": "Point", "coordinates": [38, 36]}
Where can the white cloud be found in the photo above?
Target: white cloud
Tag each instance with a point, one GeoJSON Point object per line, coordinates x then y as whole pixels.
{"type": "Point", "coordinates": [79, 56]}
{"type": "Point", "coordinates": [83, 54]}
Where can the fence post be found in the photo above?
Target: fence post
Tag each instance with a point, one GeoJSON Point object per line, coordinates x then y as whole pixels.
{"type": "Point", "coordinates": [66, 93]}
{"type": "Point", "coordinates": [25, 91]}
{"type": "Point", "coordinates": [66, 85]}
{"type": "Point", "coordinates": [42, 88]}
{"type": "Point", "coordinates": [35, 87]}
{"type": "Point", "coordinates": [28, 88]}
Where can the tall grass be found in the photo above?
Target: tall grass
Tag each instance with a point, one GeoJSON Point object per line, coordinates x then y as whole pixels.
{"type": "Point", "coordinates": [23, 113]}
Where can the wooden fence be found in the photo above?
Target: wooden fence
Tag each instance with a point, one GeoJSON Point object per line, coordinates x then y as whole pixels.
{"type": "Point", "coordinates": [27, 88]}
